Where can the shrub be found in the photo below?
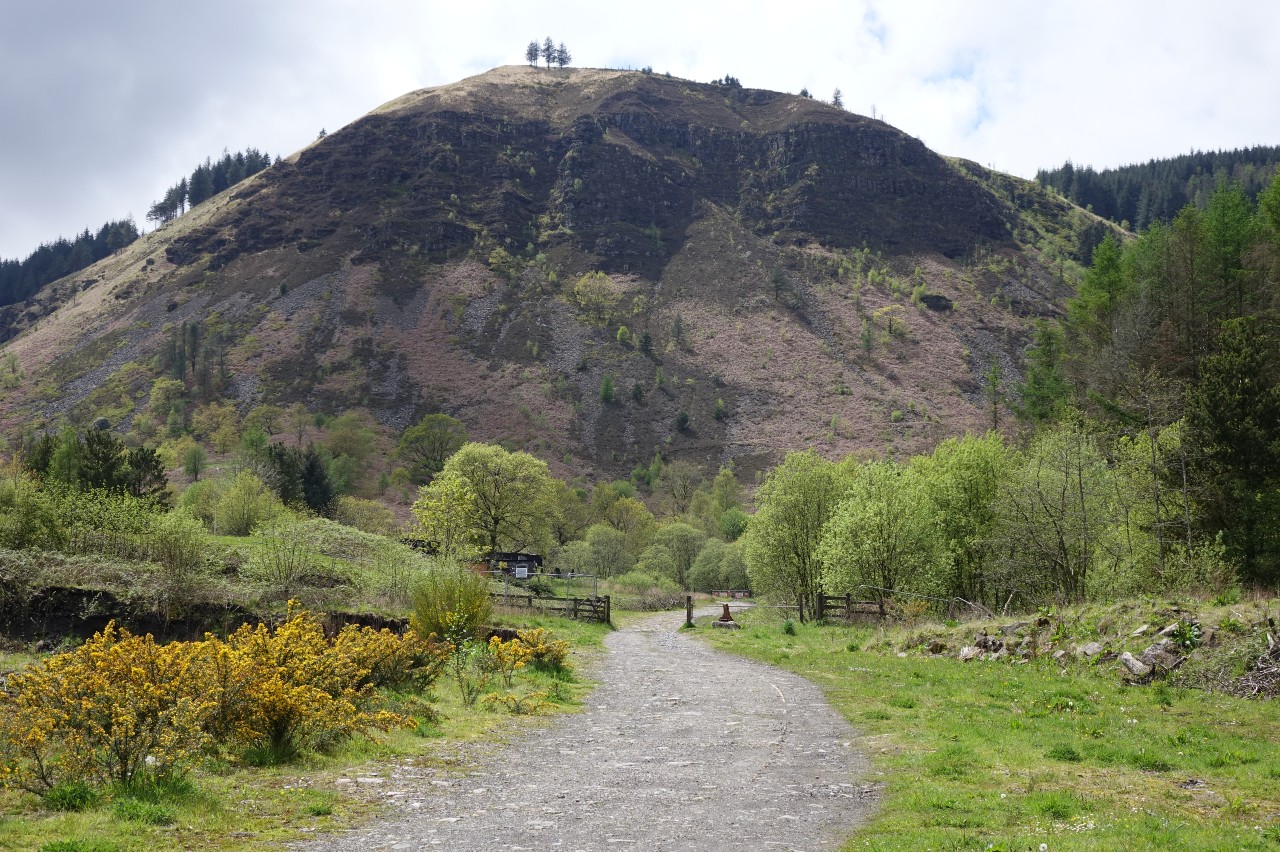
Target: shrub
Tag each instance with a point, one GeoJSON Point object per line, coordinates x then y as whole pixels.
{"type": "Point", "coordinates": [451, 603]}
{"type": "Point", "coordinates": [406, 661]}
{"type": "Point", "coordinates": [289, 689]}
{"type": "Point", "coordinates": [545, 653]}
{"type": "Point", "coordinates": [116, 706]}
{"type": "Point", "coordinates": [247, 503]}
{"type": "Point", "coordinates": [365, 515]}
{"type": "Point", "coordinates": [179, 545]}
{"type": "Point", "coordinates": [284, 559]}
{"type": "Point", "coordinates": [507, 657]}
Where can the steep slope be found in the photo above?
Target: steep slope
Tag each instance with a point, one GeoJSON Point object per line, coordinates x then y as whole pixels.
{"type": "Point", "coordinates": [801, 275]}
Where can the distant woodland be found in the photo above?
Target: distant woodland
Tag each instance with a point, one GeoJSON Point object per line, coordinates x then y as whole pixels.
{"type": "Point", "coordinates": [1156, 191]}
{"type": "Point", "coordinates": [50, 262]}
{"type": "Point", "coordinates": [207, 180]}
{"type": "Point", "coordinates": [62, 257]}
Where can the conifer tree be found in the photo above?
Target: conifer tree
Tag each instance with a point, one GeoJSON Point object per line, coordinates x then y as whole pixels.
{"type": "Point", "coordinates": [531, 53]}
{"type": "Point", "coordinates": [548, 51]}
{"type": "Point", "coordinates": [562, 57]}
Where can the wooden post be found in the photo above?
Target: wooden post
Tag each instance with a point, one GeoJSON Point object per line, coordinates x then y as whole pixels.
{"type": "Point", "coordinates": [848, 607]}
{"type": "Point", "coordinates": [822, 608]}
{"type": "Point", "coordinates": [575, 608]}
{"type": "Point", "coordinates": [688, 610]}
{"type": "Point", "coordinates": [608, 611]}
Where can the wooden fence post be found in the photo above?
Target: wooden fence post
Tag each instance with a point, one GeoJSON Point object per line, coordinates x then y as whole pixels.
{"type": "Point", "coordinates": [822, 608]}
{"type": "Point", "coordinates": [608, 611]}
{"type": "Point", "coordinates": [848, 607]}
{"type": "Point", "coordinates": [688, 610]}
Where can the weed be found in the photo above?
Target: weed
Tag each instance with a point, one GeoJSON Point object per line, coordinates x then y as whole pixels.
{"type": "Point", "coordinates": [1064, 752]}
{"type": "Point", "coordinates": [70, 797]}
{"type": "Point", "coordinates": [789, 628]}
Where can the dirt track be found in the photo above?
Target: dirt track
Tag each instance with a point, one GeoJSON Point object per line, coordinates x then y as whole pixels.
{"type": "Point", "coordinates": [681, 748]}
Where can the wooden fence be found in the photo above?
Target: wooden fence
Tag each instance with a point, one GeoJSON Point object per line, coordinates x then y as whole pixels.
{"type": "Point", "coordinates": [584, 609]}
{"type": "Point", "coordinates": [844, 607]}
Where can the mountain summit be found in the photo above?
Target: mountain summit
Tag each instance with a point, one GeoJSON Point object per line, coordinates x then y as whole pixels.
{"type": "Point", "coordinates": [592, 265]}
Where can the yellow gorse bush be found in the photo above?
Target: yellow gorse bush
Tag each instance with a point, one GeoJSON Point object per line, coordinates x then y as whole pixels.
{"type": "Point", "coordinates": [116, 706]}
{"type": "Point", "coordinates": [121, 704]}
{"type": "Point", "coordinates": [508, 656]}
{"type": "Point", "coordinates": [545, 653]}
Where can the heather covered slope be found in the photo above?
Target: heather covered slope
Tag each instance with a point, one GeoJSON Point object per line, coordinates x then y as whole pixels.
{"type": "Point", "coordinates": [788, 274]}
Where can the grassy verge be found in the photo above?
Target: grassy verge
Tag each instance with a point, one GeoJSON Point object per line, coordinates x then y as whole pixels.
{"type": "Point", "coordinates": [1036, 755]}
{"type": "Point", "coordinates": [221, 806]}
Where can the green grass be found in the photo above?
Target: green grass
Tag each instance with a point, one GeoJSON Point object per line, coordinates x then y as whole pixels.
{"type": "Point", "coordinates": [998, 755]}
{"type": "Point", "coordinates": [224, 806]}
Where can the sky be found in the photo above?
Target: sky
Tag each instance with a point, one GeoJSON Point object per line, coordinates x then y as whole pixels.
{"type": "Point", "coordinates": [107, 104]}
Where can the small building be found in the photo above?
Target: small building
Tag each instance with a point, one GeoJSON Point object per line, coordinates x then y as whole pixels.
{"type": "Point", "coordinates": [515, 563]}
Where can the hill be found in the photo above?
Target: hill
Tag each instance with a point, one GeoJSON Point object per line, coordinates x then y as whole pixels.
{"type": "Point", "coordinates": [592, 265]}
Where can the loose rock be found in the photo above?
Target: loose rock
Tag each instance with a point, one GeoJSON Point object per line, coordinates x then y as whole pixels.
{"type": "Point", "coordinates": [1135, 666]}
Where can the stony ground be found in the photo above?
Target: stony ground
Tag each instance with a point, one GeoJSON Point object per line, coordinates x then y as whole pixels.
{"type": "Point", "coordinates": [681, 748]}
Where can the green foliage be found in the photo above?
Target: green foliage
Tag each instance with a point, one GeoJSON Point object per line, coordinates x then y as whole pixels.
{"type": "Point", "coordinates": [608, 552]}
{"type": "Point", "coordinates": [193, 462]}
{"type": "Point", "coordinates": [245, 504]}
{"type": "Point", "coordinates": [426, 446]}
{"type": "Point", "coordinates": [490, 499]}
{"type": "Point", "coordinates": [793, 505]}
{"type": "Point", "coordinates": [451, 602]}
{"type": "Point", "coordinates": [96, 460]}
{"type": "Point", "coordinates": [70, 796]}
{"type": "Point", "coordinates": [1233, 422]}
{"type": "Point", "coordinates": [369, 516]}
{"type": "Point", "coordinates": [682, 542]}
{"type": "Point", "coordinates": [606, 389]}
{"type": "Point", "coordinates": [597, 295]}
{"type": "Point", "coordinates": [285, 558]}
{"type": "Point", "coordinates": [179, 545]}
{"type": "Point", "coordinates": [882, 536]}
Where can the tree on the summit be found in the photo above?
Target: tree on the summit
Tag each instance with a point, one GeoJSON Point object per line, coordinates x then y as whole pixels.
{"type": "Point", "coordinates": [548, 51]}
{"type": "Point", "coordinates": [837, 100]}
{"type": "Point", "coordinates": [531, 53]}
{"type": "Point", "coordinates": [563, 56]}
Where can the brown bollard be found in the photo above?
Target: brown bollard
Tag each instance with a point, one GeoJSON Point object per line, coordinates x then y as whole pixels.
{"type": "Point", "coordinates": [726, 616]}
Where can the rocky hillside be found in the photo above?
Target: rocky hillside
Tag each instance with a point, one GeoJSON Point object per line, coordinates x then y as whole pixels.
{"type": "Point", "coordinates": [591, 265]}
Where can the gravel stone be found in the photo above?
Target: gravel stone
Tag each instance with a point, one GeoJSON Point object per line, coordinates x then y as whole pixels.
{"type": "Point", "coordinates": [681, 748]}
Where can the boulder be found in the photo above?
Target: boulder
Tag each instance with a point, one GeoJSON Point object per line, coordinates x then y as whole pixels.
{"type": "Point", "coordinates": [937, 647]}
{"type": "Point", "coordinates": [1138, 633]}
{"type": "Point", "coordinates": [1136, 667]}
{"type": "Point", "coordinates": [1010, 630]}
{"type": "Point", "coordinates": [970, 652]}
{"type": "Point", "coordinates": [1168, 630]}
{"type": "Point", "coordinates": [1060, 655]}
{"type": "Point", "coordinates": [1089, 650]}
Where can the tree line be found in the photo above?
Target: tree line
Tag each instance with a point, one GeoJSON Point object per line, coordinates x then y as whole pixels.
{"type": "Point", "coordinates": [51, 261]}
{"type": "Point", "coordinates": [1156, 191]}
{"type": "Point", "coordinates": [207, 180]}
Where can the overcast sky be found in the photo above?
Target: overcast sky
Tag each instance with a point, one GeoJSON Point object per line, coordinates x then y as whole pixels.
{"type": "Point", "coordinates": [106, 104]}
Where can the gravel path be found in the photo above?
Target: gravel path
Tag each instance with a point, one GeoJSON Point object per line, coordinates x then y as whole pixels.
{"type": "Point", "coordinates": [681, 748]}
